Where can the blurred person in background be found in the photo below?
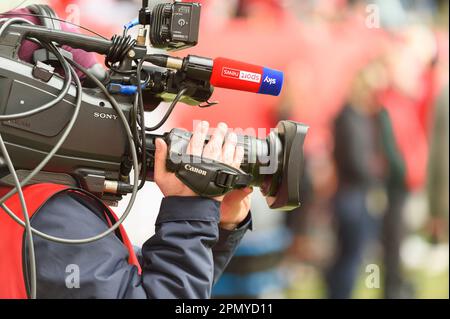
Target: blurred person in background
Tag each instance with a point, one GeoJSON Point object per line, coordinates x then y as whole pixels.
{"type": "Point", "coordinates": [360, 171]}
{"type": "Point", "coordinates": [336, 44]}
{"type": "Point", "coordinates": [438, 120]}
{"type": "Point", "coordinates": [411, 61]}
{"type": "Point", "coordinates": [438, 168]}
{"type": "Point", "coordinates": [410, 96]}
{"type": "Point", "coordinates": [298, 223]}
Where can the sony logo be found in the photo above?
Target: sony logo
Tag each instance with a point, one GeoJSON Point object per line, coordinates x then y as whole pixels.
{"type": "Point", "coordinates": [105, 116]}
{"type": "Point", "coordinates": [195, 170]}
{"type": "Point", "coordinates": [19, 122]}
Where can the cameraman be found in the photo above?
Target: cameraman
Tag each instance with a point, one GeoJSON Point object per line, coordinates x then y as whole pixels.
{"type": "Point", "coordinates": [194, 239]}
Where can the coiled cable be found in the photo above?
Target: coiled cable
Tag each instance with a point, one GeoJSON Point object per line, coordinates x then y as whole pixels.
{"type": "Point", "coordinates": [118, 51]}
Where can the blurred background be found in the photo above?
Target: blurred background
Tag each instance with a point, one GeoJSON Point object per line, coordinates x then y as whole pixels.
{"type": "Point", "coordinates": [370, 78]}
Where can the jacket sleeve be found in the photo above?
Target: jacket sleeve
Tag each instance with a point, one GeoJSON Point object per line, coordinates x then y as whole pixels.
{"type": "Point", "coordinates": [225, 248]}
{"type": "Point", "coordinates": [177, 262]}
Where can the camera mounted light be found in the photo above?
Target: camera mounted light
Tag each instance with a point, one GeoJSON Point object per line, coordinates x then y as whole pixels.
{"type": "Point", "coordinates": [174, 26]}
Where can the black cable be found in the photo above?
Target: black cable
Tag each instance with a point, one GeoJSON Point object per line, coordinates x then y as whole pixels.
{"type": "Point", "coordinates": [138, 77]}
{"type": "Point", "coordinates": [168, 112]}
{"type": "Point", "coordinates": [147, 79]}
{"type": "Point", "coordinates": [154, 128]}
{"type": "Point", "coordinates": [148, 58]}
{"type": "Point", "coordinates": [142, 116]}
{"type": "Point", "coordinates": [134, 119]}
{"type": "Point", "coordinates": [134, 116]}
{"type": "Point", "coordinates": [138, 107]}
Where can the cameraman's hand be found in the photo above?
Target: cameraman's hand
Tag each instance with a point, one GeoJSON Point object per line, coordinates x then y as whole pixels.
{"type": "Point", "coordinates": [235, 207]}
{"type": "Point", "coordinates": [167, 181]}
{"type": "Point", "coordinates": [216, 149]}
{"type": "Point", "coordinates": [236, 204]}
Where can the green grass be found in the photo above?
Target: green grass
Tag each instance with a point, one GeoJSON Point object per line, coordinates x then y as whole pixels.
{"type": "Point", "coordinates": [426, 286]}
{"type": "Point", "coordinates": [431, 286]}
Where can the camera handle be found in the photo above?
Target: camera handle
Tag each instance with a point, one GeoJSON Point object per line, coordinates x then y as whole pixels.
{"type": "Point", "coordinates": [204, 176]}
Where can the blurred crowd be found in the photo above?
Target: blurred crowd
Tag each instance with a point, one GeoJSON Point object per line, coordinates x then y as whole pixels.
{"type": "Point", "coordinates": [370, 78]}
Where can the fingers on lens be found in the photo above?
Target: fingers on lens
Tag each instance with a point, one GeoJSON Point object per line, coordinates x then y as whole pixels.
{"type": "Point", "coordinates": [229, 148]}
{"type": "Point", "coordinates": [197, 142]}
{"type": "Point", "coordinates": [213, 149]}
{"type": "Point", "coordinates": [238, 156]}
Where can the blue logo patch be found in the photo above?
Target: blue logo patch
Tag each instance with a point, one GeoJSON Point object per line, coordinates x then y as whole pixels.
{"type": "Point", "coordinates": [271, 82]}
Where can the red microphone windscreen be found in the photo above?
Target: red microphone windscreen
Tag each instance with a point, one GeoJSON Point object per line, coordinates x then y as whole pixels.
{"type": "Point", "coordinates": [231, 74]}
{"type": "Point", "coordinates": [235, 75]}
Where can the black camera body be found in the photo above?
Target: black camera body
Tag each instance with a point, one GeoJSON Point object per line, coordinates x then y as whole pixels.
{"type": "Point", "coordinates": [95, 149]}
{"type": "Point", "coordinates": [96, 155]}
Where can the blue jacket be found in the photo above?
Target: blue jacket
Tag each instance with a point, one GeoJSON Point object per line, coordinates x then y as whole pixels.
{"type": "Point", "coordinates": [183, 259]}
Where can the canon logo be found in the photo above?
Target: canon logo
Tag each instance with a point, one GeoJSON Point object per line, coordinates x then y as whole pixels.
{"type": "Point", "coordinates": [105, 116]}
{"type": "Point", "coordinates": [195, 170]}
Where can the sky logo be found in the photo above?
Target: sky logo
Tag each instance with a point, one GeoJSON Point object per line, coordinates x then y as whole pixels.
{"type": "Point", "coordinates": [272, 83]}
{"type": "Point", "coordinates": [270, 80]}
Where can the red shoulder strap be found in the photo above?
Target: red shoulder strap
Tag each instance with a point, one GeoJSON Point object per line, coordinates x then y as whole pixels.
{"type": "Point", "coordinates": [132, 259]}
{"type": "Point", "coordinates": [12, 283]}
{"type": "Point", "coordinates": [11, 236]}
{"type": "Point", "coordinates": [35, 195]}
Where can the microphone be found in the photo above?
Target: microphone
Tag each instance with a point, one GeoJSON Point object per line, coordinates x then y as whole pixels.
{"type": "Point", "coordinates": [236, 75]}
{"type": "Point", "coordinates": [225, 73]}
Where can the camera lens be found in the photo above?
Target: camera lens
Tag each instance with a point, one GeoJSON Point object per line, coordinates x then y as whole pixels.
{"type": "Point", "coordinates": [275, 163]}
{"type": "Point", "coordinates": [263, 160]}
